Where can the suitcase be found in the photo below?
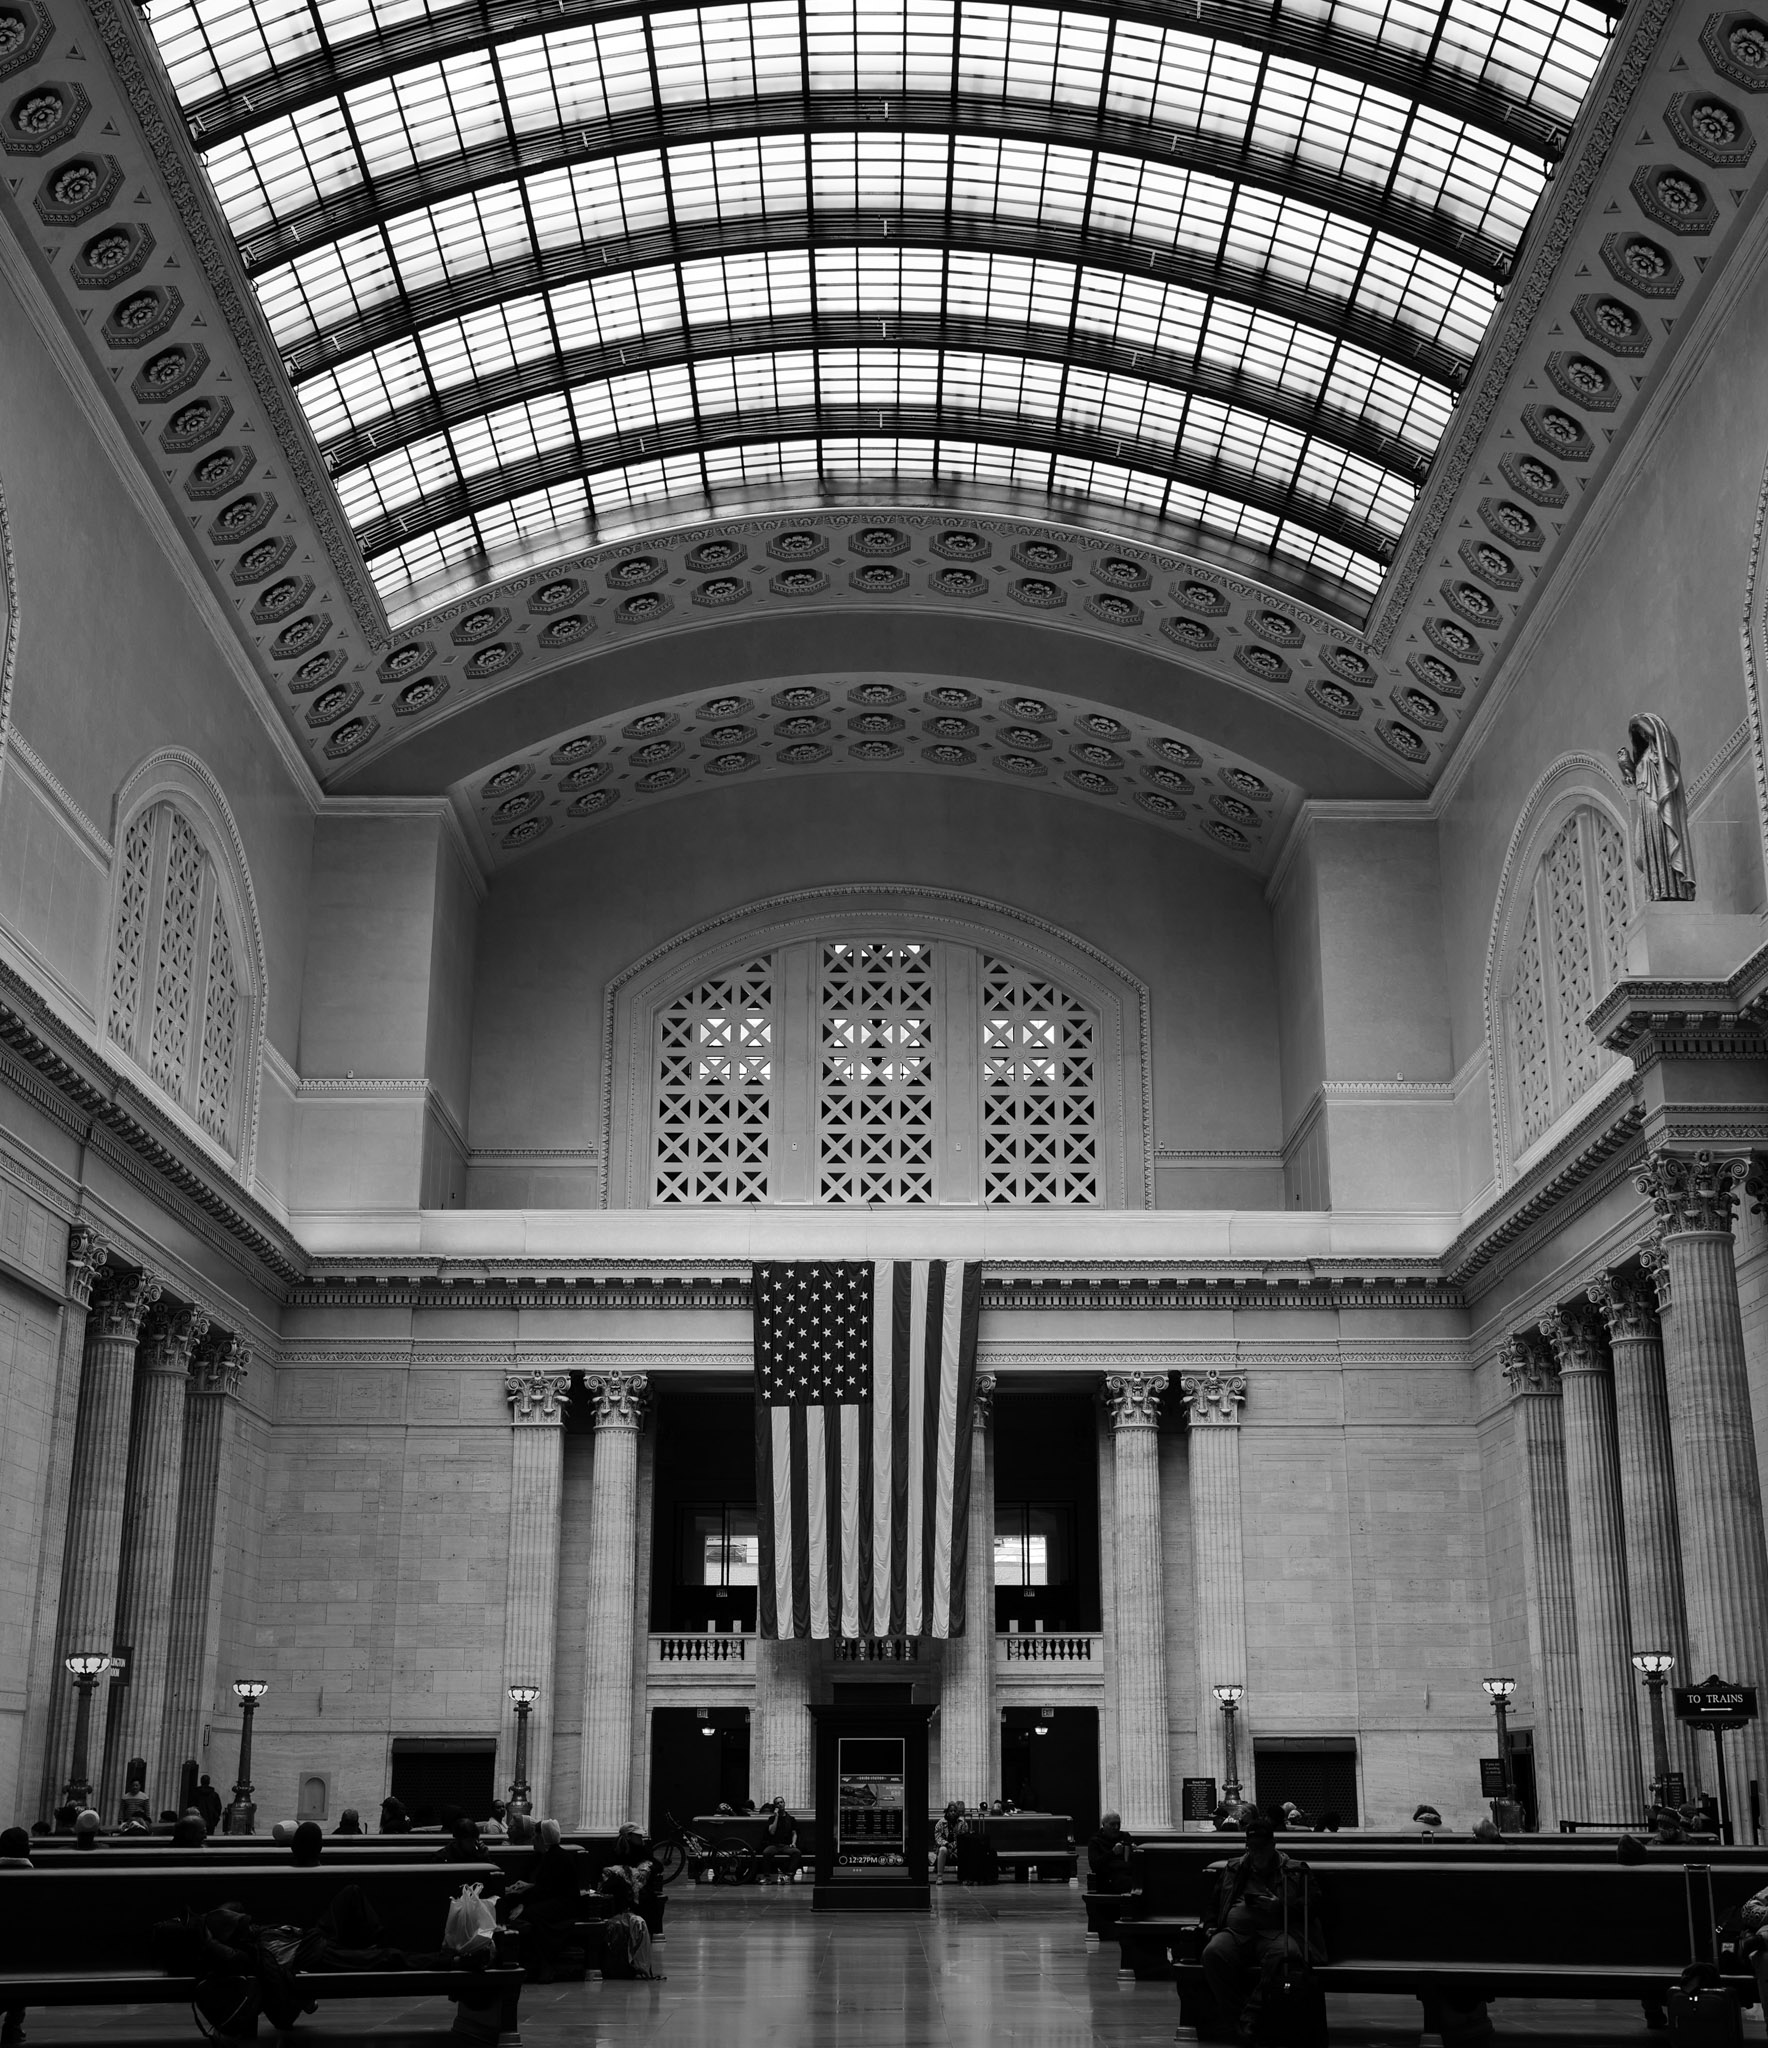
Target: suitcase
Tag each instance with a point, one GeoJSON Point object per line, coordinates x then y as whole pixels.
{"type": "Point", "coordinates": [1703, 2013]}
{"type": "Point", "coordinates": [1292, 2013]}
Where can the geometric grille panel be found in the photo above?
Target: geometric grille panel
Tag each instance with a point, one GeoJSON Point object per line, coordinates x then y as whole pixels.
{"type": "Point", "coordinates": [715, 1089]}
{"type": "Point", "coordinates": [1040, 1090]}
{"type": "Point", "coordinates": [1534, 1068]}
{"type": "Point", "coordinates": [1573, 971]}
{"type": "Point", "coordinates": [876, 1072]}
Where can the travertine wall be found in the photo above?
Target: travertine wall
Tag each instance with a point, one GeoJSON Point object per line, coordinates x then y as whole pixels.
{"type": "Point", "coordinates": [29, 1327]}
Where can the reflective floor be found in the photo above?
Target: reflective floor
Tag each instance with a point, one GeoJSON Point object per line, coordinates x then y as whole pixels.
{"type": "Point", "coordinates": [757, 1968]}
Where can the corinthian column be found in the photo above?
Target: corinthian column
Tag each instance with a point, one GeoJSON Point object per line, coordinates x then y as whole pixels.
{"type": "Point", "coordinates": [1144, 1780]}
{"type": "Point", "coordinates": [1613, 1777]}
{"type": "Point", "coordinates": [1561, 1791]}
{"type": "Point", "coordinates": [211, 1429]}
{"type": "Point", "coordinates": [1653, 1546]}
{"type": "Point", "coordinates": [966, 1700]}
{"type": "Point", "coordinates": [150, 1550]}
{"type": "Point", "coordinates": [48, 1709]}
{"type": "Point", "coordinates": [617, 1404]}
{"type": "Point", "coordinates": [1212, 1408]}
{"type": "Point", "coordinates": [1718, 1487]}
{"type": "Point", "coordinates": [537, 1466]}
{"type": "Point", "coordinates": [100, 1475]}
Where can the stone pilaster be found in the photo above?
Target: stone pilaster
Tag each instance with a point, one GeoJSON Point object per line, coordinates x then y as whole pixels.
{"type": "Point", "coordinates": [1614, 1777]}
{"type": "Point", "coordinates": [211, 1410]}
{"type": "Point", "coordinates": [48, 1729]}
{"type": "Point", "coordinates": [98, 1486]}
{"type": "Point", "coordinates": [1653, 1547]}
{"type": "Point", "coordinates": [1718, 1487]}
{"type": "Point", "coordinates": [1212, 1407]}
{"type": "Point", "coordinates": [530, 1628]}
{"type": "Point", "coordinates": [1561, 1789]}
{"type": "Point", "coordinates": [781, 1750]}
{"type": "Point", "coordinates": [617, 1404]}
{"type": "Point", "coordinates": [1144, 1775]}
{"type": "Point", "coordinates": [150, 1552]}
{"type": "Point", "coordinates": [968, 1733]}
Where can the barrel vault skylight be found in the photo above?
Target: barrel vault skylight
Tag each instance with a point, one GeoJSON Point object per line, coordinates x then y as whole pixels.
{"type": "Point", "coordinates": [562, 269]}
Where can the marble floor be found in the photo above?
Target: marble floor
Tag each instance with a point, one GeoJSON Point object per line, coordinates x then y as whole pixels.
{"type": "Point", "coordinates": [757, 1968]}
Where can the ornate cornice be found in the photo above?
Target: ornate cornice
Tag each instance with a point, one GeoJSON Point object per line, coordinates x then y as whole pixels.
{"type": "Point", "coordinates": [1528, 1365]}
{"type": "Point", "coordinates": [1627, 1307]}
{"type": "Point", "coordinates": [1213, 1399]}
{"type": "Point", "coordinates": [87, 1252]}
{"type": "Point", "coordinates": [1691, 1195]}
{"type": "Point", "coordinates": [537, 1398]}
{"type": "Point", "coordinates": [1132, 1399]}
{"type": "Point", "coordinates": [1574, 1331]}
{"type": "Point", "coordinates": [121, 1299]}
{"type": "Point", "coordinates": [617, 1399]}
{"type": "Point", "coordinates": [982, 1401]}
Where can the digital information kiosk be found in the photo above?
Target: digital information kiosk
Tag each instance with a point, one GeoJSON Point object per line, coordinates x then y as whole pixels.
{"type": "Point", "coordinates": [871, 1806]}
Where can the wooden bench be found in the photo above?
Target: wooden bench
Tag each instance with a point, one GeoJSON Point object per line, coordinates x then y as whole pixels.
{"type": "Point", "coordinates": [57, 1917]}
{"type": "Point", "coordinates": [1038, 1847]}
{"type": "Point", "coordinates": [1476, 1930]}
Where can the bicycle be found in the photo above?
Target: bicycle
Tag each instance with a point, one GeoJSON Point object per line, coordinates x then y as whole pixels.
{"type": "Point", "coordinates": [680, 1849]}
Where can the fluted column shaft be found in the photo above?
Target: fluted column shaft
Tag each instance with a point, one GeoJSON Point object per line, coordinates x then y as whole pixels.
{"type": "Point", "coordinates": [1653, 1547]}
{"type": "Point", "coordinates": [530, 1616]}
{"type": "Point", "coordinates": [1718, 1488]}
{"type": "Point", "coordinates": [99, 1487]}
{"type": "Point", "coordinates": [1561, 1790]}
{"type": "Point", "coordinates": [781, 1752]}
{"type": "Point", "coordinates": [1218, 1553]}
{"type": "Point", "coordinates": [967, 1694]}
{"type": "Point", "coordinates": [210, 1411]}
{"type": "Point", "coordinates": [617, 1401]}
{"type": "Point", "coordinates": [1144, 1778]}
{"type": "Point", "coordinates": [1613, 1775]}
{"type": "Point", "coordinates": [150, 1552]}
{"type": "Point", "coordinates": [49, 1713]}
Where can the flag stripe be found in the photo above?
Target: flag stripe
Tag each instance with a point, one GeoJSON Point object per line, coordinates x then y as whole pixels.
{"type": "Point", "coordinates": [800, 1522]}
{"type": "Point", "coordinates": [781, 1446]}
{"type": "Point", "coordinates": [915, 1552]}
{"type": "Point", "coordinates": [969, 1314]}
{"type": "Point", "coordinates": [766, 1615]}
{"type": "Point", "coordinates": [850, 1519]}
{"type": "Point", "coordinates": [884, 1385]}
{"type": "Point", "coordinates": [945, 1456]}
{"type": "Point", "coordinates": [816, 1531]}
{"type": "Point", "coordinates": [932, 1327]}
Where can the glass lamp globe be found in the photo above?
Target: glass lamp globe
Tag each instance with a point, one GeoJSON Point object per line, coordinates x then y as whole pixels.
{"type": "Point", "coordinates": [252, 1689]}
{"type": "Point", "coordinates": [1653, 1662]}
{"type": "Point", "coordinates": [1230, 1695]}
{"type": "Point", "coordinates": [87, 1663]}
{"type": "Point", "coordinates": [524, 1695]}
{"type": "Point", "coordinates": [1498, 1688]}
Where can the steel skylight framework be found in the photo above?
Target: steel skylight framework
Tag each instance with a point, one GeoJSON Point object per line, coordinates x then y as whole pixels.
{"type": "Point", "coordinates": [574, 267]}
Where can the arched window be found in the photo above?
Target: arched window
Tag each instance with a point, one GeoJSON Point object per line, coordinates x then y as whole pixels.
{"type": "Point", "coordinates": [1571, 947]}
{"type": "Point", "coordinates": [859, 1067]}
{"type": "Point", "coordinates": [180, 997]}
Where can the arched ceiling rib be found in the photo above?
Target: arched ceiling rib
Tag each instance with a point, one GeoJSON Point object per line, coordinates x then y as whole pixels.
{"type": "Point", "coordinates": [1221, 271]}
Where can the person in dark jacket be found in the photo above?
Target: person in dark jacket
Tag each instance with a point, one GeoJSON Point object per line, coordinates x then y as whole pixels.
{"type": "Point", "coordinates": [1251, 1900]}
{"type": "Point", "coordinates": [207, 1802]}
{"type": "Point", "coordinates": [1108, 1856]}
{"type": "Point", "coordinates": [349, 1822]}
{"type": "Point", "coordinates": [308, 1846]}
{"type": "Point", "coordinates": [394, 1818]}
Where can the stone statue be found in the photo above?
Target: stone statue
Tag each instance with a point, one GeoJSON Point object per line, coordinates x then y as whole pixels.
{"type": "Point", "coordinates": [1651, 767]}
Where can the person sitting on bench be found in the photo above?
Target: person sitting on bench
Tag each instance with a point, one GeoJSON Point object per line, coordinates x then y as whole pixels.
{"type": "Point", "coordinates": [1108, 1857]}
{"type": "Point", "coordinates": [1249, 1919]}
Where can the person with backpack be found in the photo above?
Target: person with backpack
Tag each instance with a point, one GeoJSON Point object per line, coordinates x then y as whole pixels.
{"type": "Point", "coordinates": [1261, 1894]}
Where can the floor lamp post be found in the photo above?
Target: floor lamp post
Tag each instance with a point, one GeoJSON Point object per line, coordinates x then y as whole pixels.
{"type": "Point", "coordinates": [522, 1697]}
{"type": "Point", "coordinates": [87, 1666]}
{"type": "Point", "coordinates": [1230, 1697]}
{"type": "Point", "coordinates": [1656, 1665]}
{"type": "Point", "coordinates": [242, 1815]}
{"type": "Point", "coordinates": [1499, 1691]}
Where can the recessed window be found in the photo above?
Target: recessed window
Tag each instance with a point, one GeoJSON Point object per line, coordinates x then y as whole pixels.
{"type": "Point", "coordinates": [1033, 1544]}
{"type": "Point", "coordinates": [720, 1546]}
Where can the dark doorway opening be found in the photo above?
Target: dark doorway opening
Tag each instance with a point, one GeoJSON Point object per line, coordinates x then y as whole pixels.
{"type": "Point", "coordinates": [1050, 1762]}
{"type": "Point", "coordinates": [1318, 1772]}
{"type": "Point", "coordinates": [431, 1774]}
{"type": "Point", "coordinates": [1522, 1772]}
{"type": "Point", "coordinates": [699, 1761]}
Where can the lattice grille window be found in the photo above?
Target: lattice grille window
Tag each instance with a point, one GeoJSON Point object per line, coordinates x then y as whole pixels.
{"type": "Point", "coordinates": [875, 1093]}
{"type": "Point", "coordinates": [1040, 1090]}
{"type": "Point", "coordinates": [177, 1005]}
{"type": "Point", "coordinates": [715, 1093]}
{"type": "Point", "coordinates": [882, 1069]}
{"type": "Point", "coordinates": [1572, 947]}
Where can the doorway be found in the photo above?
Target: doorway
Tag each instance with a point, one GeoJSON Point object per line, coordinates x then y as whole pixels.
{"type": "Point", "coordinates": [1050, 1762]}
{"type": "Point", "coordinates": [699, 1761]}
{"type": "Point", "coordinates": [430, 1774]}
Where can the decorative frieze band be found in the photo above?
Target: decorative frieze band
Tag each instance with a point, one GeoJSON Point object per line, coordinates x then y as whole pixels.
{"type": "Point", "coordinates": [538, 1397]}
{"type": "Point", "coordinates": [1213, 1399]}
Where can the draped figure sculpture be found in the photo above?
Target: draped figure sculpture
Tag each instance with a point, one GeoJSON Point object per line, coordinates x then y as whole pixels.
{"type": "Point", "coordinates": [1651, 767]}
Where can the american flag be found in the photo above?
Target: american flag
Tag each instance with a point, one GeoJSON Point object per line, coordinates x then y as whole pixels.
{"type": "Point", "coordinates": [865, 1372]}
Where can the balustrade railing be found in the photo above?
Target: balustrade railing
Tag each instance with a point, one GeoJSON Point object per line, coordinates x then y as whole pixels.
{"type": "Point", "coordinates": [1048, 1649]}
{"type": "Point", "coordinates": [877, 1650]}
{"type": "Point", "coordinates": [701, 1649]}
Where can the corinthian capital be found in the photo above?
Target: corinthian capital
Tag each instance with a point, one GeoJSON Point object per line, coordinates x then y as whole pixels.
{"type": "Point", "coordinates": [220, 1364]}
{"type": "Point", "coordinates": [1133, 1399]}
{"type": "Point", "coordinates": [87, 1252]}
{"type": "Point", "coordinates": [121, 1299]}
{"type": "Point", "coordinates": [982, 1398]}
{"type": "Point", "coordinates": [617, 1399]}
{"type": "Point", "coordinates": [1212, 1397]}
{"type": "Point", "coordinates": [169, 1334]}
{"type": "Point", "coordinates": [1691, 1194]}
{"type": "Point", "coordinates": [1656, 1268]}
{"type": "Point", "coordinates": [1528, 1364]}
{"type": "Point", "coordinates": [537, 1397]}
{"type": "Point", "coordinates": [1628, 1308]}
{"type": "Point", "coordinates": [1575, 1334]}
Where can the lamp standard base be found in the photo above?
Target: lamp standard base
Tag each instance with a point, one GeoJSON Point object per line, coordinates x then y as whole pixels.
{"type": "Point", "coordinates": [241, 1818]}
{"type": "Point", "coordinates": [1507, 1813]}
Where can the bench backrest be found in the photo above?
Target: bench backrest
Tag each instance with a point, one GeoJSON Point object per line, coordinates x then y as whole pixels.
{"type": "Point", "coordinates": [1017, 1833]}
{"type": "Point", "coordinates": [103, 1919]}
